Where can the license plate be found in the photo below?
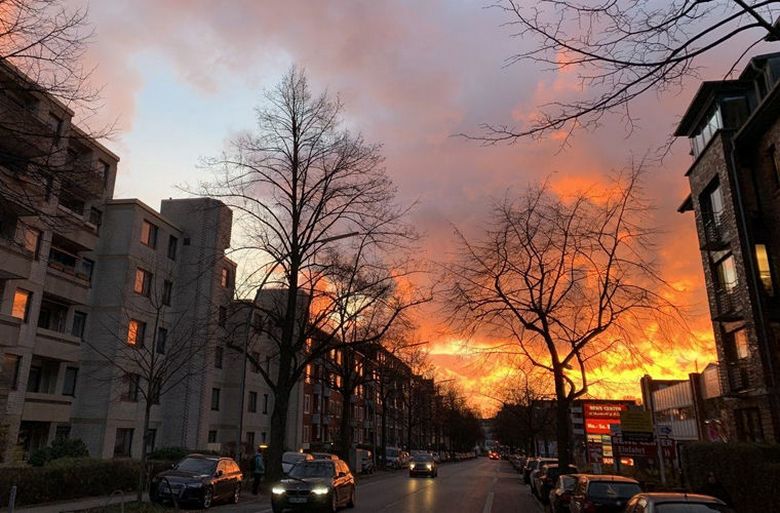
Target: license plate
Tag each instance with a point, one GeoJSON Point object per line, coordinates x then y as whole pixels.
{"type": "Point", "coordinates": [297, 500]}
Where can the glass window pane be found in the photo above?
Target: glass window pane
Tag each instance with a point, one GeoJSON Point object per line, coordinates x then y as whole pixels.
{"type": "Point", "coordinates": [21, 304]}
{"type": "Point", "coordinates": [764, 268]}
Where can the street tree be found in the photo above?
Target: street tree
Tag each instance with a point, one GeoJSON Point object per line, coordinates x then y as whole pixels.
{"type": "Point", "coordinates": [316, 212]}
{"type": "Point", "coordinates": [151, 347]}
{"type": "Point", "coordinates": [619, 50]}
{"type": "Point", "coordinates": [566, 279]}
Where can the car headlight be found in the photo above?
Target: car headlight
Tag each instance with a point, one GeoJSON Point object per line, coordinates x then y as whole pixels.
{"type": "Point", "coordinates": [429, 466]}
{"type": "Point", "coordinates": [411, 466]}
{"type": "Point", "coordinates": [319, 490]}
{"type": "Point", "coordinates": [277, 490]}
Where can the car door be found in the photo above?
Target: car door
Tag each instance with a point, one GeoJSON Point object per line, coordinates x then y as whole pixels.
{"type": "Point", "coordinates": [342, 475]}
{"type": "Point", "coordinates": [222, 480]}
{"type": "Point", "coordinates": [577, 496]}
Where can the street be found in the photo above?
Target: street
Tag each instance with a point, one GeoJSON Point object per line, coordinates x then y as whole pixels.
{"type": "Point", "coordinates": [475, 486]}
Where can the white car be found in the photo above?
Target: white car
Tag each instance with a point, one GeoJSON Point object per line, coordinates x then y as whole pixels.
{"type": "Point", "coordinates": [290, 459]}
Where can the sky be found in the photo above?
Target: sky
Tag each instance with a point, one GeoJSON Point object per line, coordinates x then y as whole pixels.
{"type": "Point", "coordinates": [180, 77]}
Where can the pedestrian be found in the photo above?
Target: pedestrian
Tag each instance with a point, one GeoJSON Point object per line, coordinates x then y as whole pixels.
{"type": "Point", "coordinates": [715, 488]}
{"type": "Point", "coordinates": [258, 470]}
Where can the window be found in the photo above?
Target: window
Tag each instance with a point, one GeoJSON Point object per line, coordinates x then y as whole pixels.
{"type": "Point", "coordinates": [21, 305]}
{"type": "Point", "coordinates": [86, 268]}
{"type": "Point", "coordinates": [133, 387]}
{"type": "Point", "coordinates": [11, 365]}
{"type": "Point", "coordinates": [712, 203]}
{"type": "Point", "coordinates": [162, 339]}
{"type": "Point", "coordinates": [255, 362]}
{"type": "Point", "coordinates": [265, 404]}
{"type": "Point", "coordinates": [263, 437]}
{"type": "Point", "coordinates": [135, 333]}
{"type": "Point", "coordinates": [52, 315]}
{"type": "Point", "coordinates": [727, 273]}
{"type": "Point", "coordinates": [218, 355]}
{"type": "Point", "coordinates": [34, 379]}
{"type": "Point", "coordinates": [143, 282]}
{"type": "Point", "coordinates": [250, 438]}
{"type": "Point", "coordinates": [149, 234]}
{"type": "Point", "coordinates": [307, 376]}
{"type": "Point", "coordinates": [215, 399]}
{"type": "Point", "coordinates": [306, 433]}
{"type": "Point", "coordinates": [749, 428]}
{"type": "Point", "coordinates": [69, 385]}
{"type": "Point", "coordinates": [55, 125]}
{"type": "Point", "coordinates": [155, 393]}
{"type": "Point", "coordinates": [212, 436]}
{"type": "Point", "coordinates": [739, 344]}
{"type": "Point", "coordinates": [31, 240]}
{"type": "Point", "coordinates": [79, 324]}
{"type": "Point", "coordinates": [764, 269]}
{"type": "Point", "coordinates": [222, 316]}
{"type": "Point", "coordinates": [105, 169]}
{"type": "Point", "coordinates": [123, 444]}
{"type": "Point", "coordinates": [151, 439]}
{"type": "Point", "coordinates": [224, 278]}
{"type": "Point", "coordinates": [70, 201]}
{"type": "Point", "coordinates": [252, 408]}
{"type": "Point", "coordinates": [173, 245]}
{"type": "Point", "coordinates": [187, 241]}
{"type": "Point", "coordinates": [167, 292]}
{"type": "Point", "coordinates": [306, 403]}
{"type": "Point", "coordinates": [95, 216]}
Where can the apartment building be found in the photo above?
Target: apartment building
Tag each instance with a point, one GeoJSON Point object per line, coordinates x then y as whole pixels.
{"type": "Point", "coordinates": [54, 183]}
{"type": "Point", "coordinates": [735, 185]}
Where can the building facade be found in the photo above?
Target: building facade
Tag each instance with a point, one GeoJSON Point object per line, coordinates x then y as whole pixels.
{"type": "Point", "coordinates": [735, 184]}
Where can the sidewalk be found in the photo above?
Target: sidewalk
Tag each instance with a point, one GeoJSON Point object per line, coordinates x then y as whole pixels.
{"type": "Point", "coordinates": [76, 505]}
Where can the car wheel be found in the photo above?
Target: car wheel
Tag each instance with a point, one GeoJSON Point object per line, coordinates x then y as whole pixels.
{"type": "Point", "coordinates": [351, 503]}
{"type": "Point", "coordinates": [237, 494]}
{"type": "Point", "coordinates": [334, 502]}
{"type": "Point", "coordinates": [208, 498]}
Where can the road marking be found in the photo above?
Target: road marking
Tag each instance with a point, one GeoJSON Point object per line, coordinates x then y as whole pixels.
{"type": "Point", "coordinates": [488, 503]}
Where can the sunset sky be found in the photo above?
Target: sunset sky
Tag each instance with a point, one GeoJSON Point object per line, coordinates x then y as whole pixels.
{"type": "Point", "coordinates": [181, 77]}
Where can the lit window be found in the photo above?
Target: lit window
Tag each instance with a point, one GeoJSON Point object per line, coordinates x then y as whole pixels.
{"type": "Point", "coordinates": [21, 305]}
{"type": "Point", "coordinates": [740, 340]}
{"type": "Point", "coordinates": [143, 282]}
{"type": "Point", "coordinates": [135, 333]}
{"type": "Point", "coordinates": [764, 268]}
{"type": "Point", "coordinates": [727, 273]}
{"type": "Point", "coordinates": [224, 278]}
{"type": "Point", "coordinates": [149, 234]}
{"type": "Point", "coordinates": [308, 374]}
{"type": "Point", "coordinates": [31, 240]}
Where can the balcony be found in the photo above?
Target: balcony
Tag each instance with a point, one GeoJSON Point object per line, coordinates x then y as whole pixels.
{"type": "Point", "coordinates": [715, 237]}
{"type": "Point", "coordinates": [739, 376]}
{"type": "Point", "coordinates": [40, 407]}
{"type": "Point", "coordinates": [728, 307]}
{"type": "Point", "coordinates": [56, 345]}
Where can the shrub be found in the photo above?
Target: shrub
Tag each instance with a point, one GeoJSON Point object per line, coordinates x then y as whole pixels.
{"type": "Point", "coordinates": [68, 478]}
{"type": "Point", "coordinates": [169, 454]}
{"type": "Point", "coordinates": [60, 448]}
{"type": "Point", "coordinates": [749, 473]}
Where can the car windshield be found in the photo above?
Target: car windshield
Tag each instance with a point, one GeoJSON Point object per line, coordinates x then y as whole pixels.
{"type": "Point", "coordinates": [199, 466]}
{"type": "Point", "coordinates": [423, 458]}
{"type": "Point", "coordinates": [293, 457]}
{"type": "Point", "coordinates": [312, 469]}
{"type": "Point", "coordinates": [679, 507]}
{"type": "Point", "coordinates": [610, 490]}
{"type": "Point", "coordinates": [568, 482]}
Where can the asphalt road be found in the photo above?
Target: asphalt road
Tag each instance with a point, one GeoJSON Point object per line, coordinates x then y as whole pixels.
{"type": "Point", "coordinates": [475, 486]}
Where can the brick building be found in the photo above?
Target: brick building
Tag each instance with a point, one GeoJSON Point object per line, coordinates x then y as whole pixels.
{"type": "Point", "coordinates": [734, 130]}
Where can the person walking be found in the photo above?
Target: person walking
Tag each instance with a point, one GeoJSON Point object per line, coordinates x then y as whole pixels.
{"type": "Point", "coordinates": [258, 471]}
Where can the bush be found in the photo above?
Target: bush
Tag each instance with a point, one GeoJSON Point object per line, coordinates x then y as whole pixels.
{"type": "Point", "coordinates": [169, 454]}
{"type": "Point", "coordinates": [68, 478]}
{"type": "Point", "coordinates": [749, 473]}
{"type": "Point", "coordinates": [60, 448]}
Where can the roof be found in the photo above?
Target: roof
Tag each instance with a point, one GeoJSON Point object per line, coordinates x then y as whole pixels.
{"type": "Point", "coordinates": [760, 119]}
{"type": "Point", "coordinates": [686, 206]}
{"type": "Point", "coordinates": [704, 96]}
{"type": "Point", "coordinates": [659, 497]}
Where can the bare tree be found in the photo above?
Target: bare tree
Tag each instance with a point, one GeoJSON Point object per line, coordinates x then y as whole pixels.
{"type": "Point", "coordinates": [316, 209]}
{"type": "Point", "coordinates": [622, 49]}
{"type": "Point", "coordinates": [150, 348]}
{"type": "Point", "coordinates": [566, 279]}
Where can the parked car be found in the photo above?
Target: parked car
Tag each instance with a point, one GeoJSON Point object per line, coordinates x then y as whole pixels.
{"type": "Point", "coordinates": [366, 457]}
{"type": "Point", "coordinates": [324, 456]}
{"type": "Point", "coordinates": [560, 495]}
{"type": "Point", "coordinates": [322, 484]}
{"type": "Point", "coordinates": [546, 478]}
{"type": "Point", "coordinates": [290, 459]}
{"type": "Point", "coordinates": [423, 464]}
{"type": "Point", "coordinates": [198, 479]}
{"type": "Point", "coordinates": [676, 503]}
{"type": "Point", "coordinates": [396, 458]}
{"type": "Point", "coordinates": [533, 464]}
{"type": "Point", "coordinates": [602, 493]}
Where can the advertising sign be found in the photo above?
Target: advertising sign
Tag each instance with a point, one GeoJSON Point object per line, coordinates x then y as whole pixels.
{"type": "Point", "coordinates": [603, 410]}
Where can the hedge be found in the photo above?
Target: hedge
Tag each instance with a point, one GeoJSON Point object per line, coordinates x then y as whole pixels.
{"type": "Point", "coordinates": [71, 478]}
{"type": "Point", "coordinates": [749, 473]}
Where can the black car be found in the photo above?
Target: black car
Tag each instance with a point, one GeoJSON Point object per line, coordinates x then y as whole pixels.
{"type": "Point", "coordinates": [602, 493]}
{"type": "Point", "coordinates": [325, 484]}
{"type": "Point", "coordinates": [200, 480]}
{"type": "Point", "coordinates": [423, 465]}
{"type": "Point", "coordinates": [676, 503]}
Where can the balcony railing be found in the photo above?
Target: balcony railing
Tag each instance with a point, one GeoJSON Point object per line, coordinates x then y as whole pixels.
{"type": "Point", "coordinates": [739, 376]}
{"type": "Point", "coordinates": [728, 307]}
{"type": "Point", "coordinates": [715, 236]}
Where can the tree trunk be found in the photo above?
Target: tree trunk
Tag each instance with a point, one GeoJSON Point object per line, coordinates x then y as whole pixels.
{"type": "Point", "coordinates": [273, 469]}
{"type": "Point", "coordinates": [562, 420]}
{"type": "Point", "coordinates": [345, 437]}
{"type": "Point", "coordinates": [144, 446]}
{"type": "Point", "coordinates": [384, 427]}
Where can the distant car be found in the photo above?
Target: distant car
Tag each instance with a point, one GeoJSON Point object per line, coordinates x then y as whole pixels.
{"type": "Point", "coordinates": [366, 458]}
{"type": "Point", "coordinates": [394, 457]}
{"type": "Point", "coordinates": [532, 464]}
{"type": "Point", "coordinates": [290, 459]}
{"type": "Point", "coordinates": [324, 456]}
{"type": "Point", "coordinates": [602, 493]}
{"type": "Point", "coordinates": [324, 484]}
{"type": "Point", "coordinates": [493, 455]}
{"type": "Point", "coordinates": [198, 479]}
{"type": "Point", "coordinates": [546, 478]}
{"type": "Point", "coordinates": [676, 503]}
{"type": "Point", "coordinates": [560, 495]}
{"type": "Point", "coordinates": [423, 464]}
